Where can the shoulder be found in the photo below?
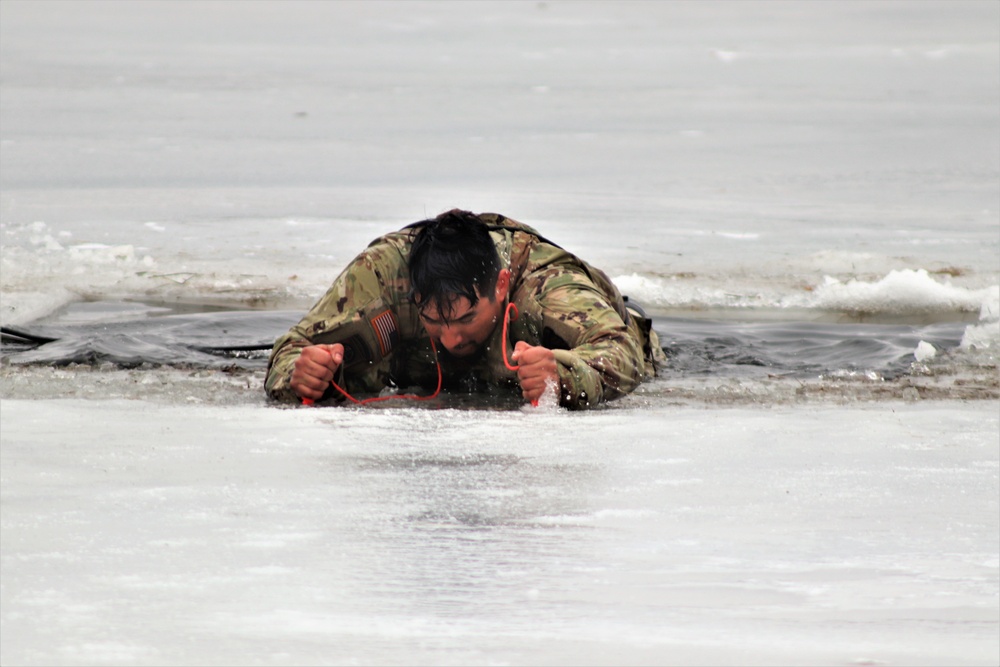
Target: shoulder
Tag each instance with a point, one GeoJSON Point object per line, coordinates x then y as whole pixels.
{"type": "Point", "coordinates": [498, 221]}
{"type": "Point", "coordinates": [394, 245]}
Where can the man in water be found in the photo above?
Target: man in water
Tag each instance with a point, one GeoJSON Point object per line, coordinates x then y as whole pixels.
{"type": "Point", "coordinates": [435, 300]}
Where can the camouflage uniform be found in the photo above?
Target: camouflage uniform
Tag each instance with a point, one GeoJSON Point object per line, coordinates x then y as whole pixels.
{"type": "Point", "coordinates": [603, 351]}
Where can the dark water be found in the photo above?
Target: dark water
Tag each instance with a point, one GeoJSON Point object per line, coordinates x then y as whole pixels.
{"type": "Point", "coordinates": [797, 349]}
{"type": "Point", "coordinates": [130, 334]}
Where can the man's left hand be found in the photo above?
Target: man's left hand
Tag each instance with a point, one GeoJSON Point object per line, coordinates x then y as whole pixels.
{"type": "Point", "coordinates": [535, 366]}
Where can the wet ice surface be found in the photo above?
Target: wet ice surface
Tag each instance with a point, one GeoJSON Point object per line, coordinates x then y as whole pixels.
{"type": "Point", "coordinates": [138, 532]}
{"type": "Point", "coordinates": [131, 334]}
{"type": "Point", "coordinates": [172, 346]}
{"type": "Point", "coordinates": [808, 186]}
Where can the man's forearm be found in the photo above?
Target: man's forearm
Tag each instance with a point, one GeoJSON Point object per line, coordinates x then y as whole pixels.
{"type": "Point", "coordinates": [599, 371]}
{"type": "Point", "coordinates": [286, 351]}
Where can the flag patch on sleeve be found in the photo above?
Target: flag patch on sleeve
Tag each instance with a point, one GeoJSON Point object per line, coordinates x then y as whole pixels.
{"type": "Point", "coordinates": [386, 331]}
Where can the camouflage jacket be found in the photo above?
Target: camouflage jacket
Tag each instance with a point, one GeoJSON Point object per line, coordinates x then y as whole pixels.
{"type": "Point", "coordinates": [564, 304]}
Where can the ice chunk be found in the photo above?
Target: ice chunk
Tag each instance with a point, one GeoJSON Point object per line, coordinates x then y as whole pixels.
{"type": "Point", "coordinates": [985, 334]}
{"type": "Point", "coordinates": [981, 336]}
{"type": "Point", "coordinates": [924, 351]}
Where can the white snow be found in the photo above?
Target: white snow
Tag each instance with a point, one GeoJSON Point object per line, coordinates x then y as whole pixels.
{"type": "Point", "coordinates": [905, 291]}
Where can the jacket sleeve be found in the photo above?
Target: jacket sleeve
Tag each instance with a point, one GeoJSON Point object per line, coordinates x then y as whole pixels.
{"type": "Point", "coordinates": [356, 293]}
{"type": "Point", "coordinates": [600, 359]}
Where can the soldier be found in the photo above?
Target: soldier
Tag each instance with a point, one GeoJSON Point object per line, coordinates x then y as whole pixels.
{"type": "Point", "coordinates": [434, 301]}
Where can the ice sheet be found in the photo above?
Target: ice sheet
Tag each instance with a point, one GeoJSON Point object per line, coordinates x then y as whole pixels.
{"type": "Point", "coordinates": [138, 532]}
{"type": "Point", "coordinates": [759, 163]}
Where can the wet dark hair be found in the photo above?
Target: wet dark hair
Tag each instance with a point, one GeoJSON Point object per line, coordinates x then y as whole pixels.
{"type": "Point", "coordinates": [452, 256]}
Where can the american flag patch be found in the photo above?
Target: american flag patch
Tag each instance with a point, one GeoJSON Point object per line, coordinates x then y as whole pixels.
{"type": "Point", "coordinates": [385, 329]}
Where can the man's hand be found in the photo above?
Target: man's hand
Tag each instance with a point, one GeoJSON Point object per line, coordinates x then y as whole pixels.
{"type": "Point", "coordinates": [314, 369]}
{"type": "Point", "coordinates": [535, 365]}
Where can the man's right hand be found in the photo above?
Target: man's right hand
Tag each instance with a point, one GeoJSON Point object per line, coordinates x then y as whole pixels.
{"type": "Point", "coordinates": [314, 369]}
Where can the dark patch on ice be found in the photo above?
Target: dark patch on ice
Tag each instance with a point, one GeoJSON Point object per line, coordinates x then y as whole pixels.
{"type": "Point", "coordinates": [132, 334]}
{"type": "Point", "coordinates": [144, 336]}
{"type": "Point", "coordinates": [798, 349]}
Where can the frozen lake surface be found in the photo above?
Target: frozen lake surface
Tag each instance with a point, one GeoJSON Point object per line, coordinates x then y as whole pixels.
{"type": "Point", "coordinates": [146, 532]}
{"type": "Point", "coordinates": [806, 196]}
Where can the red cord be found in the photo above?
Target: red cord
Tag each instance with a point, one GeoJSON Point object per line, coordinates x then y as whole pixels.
{"type": "Point", "coordinates": [506, 319]}
{"type": "Point", "coordinates": [375, 399]}
{"type": "Point", "coordinates": [413, 397]}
